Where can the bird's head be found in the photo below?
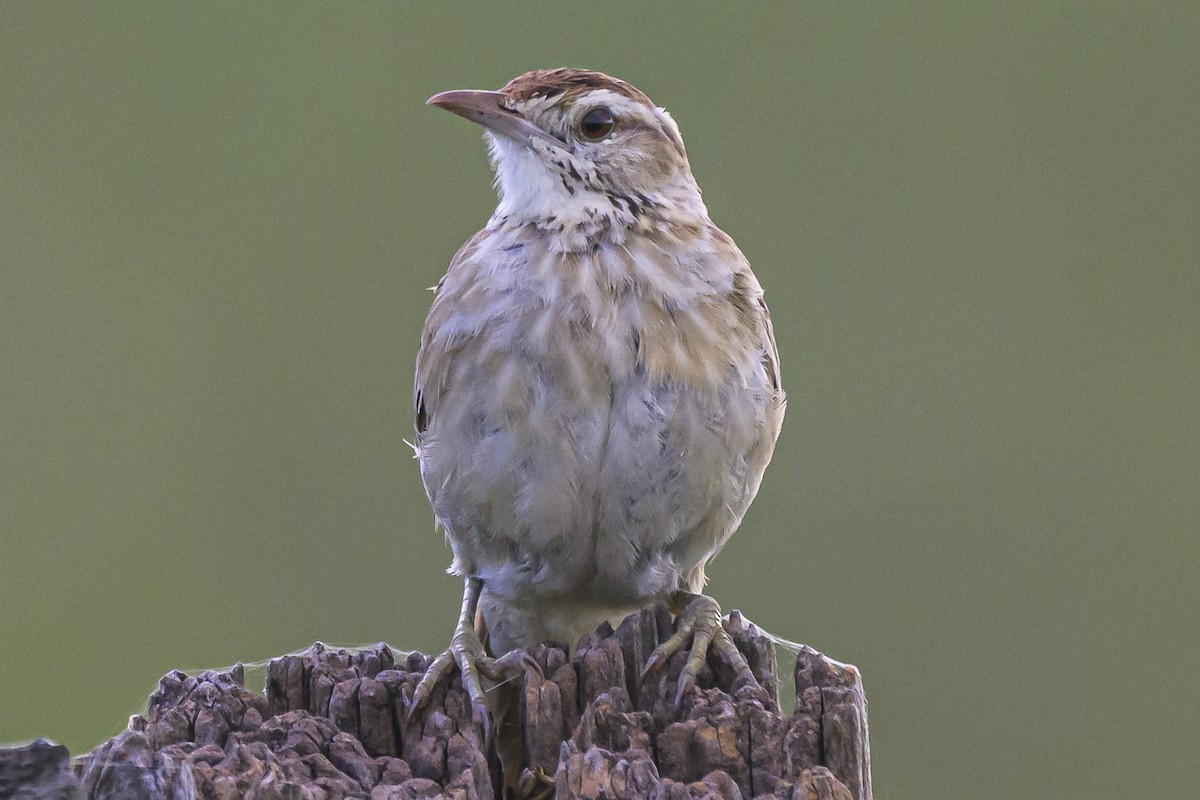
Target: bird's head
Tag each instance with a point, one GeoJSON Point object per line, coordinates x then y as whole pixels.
{"type": "Point", "coordinates": [577, 147]}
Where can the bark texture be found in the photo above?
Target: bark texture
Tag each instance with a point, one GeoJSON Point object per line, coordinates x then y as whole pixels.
{"type": "Point", "coordinates": [334, 724]}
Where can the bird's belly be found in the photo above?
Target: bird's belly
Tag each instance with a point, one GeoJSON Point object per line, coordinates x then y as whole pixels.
{"type": "Point", "coordinates": [593, 497]}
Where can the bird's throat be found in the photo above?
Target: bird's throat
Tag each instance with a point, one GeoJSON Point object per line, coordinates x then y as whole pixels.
{"type": "Point", "coordinates": [575, 207]}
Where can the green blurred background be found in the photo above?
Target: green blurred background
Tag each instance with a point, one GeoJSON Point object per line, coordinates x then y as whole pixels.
{"type": "Point", "coordinates": [979, 233]}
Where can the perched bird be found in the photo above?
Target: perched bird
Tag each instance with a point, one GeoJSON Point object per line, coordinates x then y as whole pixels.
{"type": "Point", "coordinates": [597, 388]}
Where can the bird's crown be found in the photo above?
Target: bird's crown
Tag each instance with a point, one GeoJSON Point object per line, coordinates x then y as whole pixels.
{"type": "Point", "coordinates": [568, 83]}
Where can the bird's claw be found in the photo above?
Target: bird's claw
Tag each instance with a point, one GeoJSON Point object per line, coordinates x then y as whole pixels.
{"type": "Point", "coordinates": [700, 621]}
{"type": "Point", "coordinates": [511, 665]}
{"type": "Point", "coordinates": [466, 652]}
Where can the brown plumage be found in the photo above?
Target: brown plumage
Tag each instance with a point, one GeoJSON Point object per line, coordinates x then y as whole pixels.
{"type": "Point", "coordinates": [569, 83]}
{"type": "Point", "coordinates": [597, 389]}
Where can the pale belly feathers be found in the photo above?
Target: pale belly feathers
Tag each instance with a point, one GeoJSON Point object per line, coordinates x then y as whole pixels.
{"type": "Point", "coordinates": [595, 426]}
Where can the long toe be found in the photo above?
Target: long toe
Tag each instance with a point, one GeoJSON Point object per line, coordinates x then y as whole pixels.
{"type": "Point", "coordinates": [700, 621]}
{"type": "Point", "coordinates": [508, 667]}
{"type": "Point", "coordinates": [438, 671]}
{"type": "Point", "coordinates": [467, 654]}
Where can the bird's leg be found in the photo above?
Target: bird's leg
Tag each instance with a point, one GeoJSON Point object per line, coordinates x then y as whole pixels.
{"type": "Point", "coordinates": [466, 651]}
{"type": "Point", "coordinates": [699, 620]}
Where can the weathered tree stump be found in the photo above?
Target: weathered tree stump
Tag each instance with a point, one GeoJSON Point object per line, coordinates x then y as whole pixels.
{"type": "Point", "coordinates": [334, 724]}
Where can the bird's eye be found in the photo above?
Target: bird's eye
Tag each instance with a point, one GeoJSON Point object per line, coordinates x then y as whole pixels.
{"type": "Point", "coordinates": [596, 124]}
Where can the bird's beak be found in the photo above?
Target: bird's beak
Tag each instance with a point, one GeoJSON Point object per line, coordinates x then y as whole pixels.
{"type": "Point", "coordinates": [489, 110]}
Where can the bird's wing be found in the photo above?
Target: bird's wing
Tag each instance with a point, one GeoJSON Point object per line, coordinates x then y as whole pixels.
{"type": "Point", "coordinates": [437, 351]}
{"type": "Point", "coordinates": [770, 358]}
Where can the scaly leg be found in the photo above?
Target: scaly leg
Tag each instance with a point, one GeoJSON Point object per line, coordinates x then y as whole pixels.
{"type": "Point", "coordinates": [466, 652]}
{"type": "Point", "coordinates": [699, 620]}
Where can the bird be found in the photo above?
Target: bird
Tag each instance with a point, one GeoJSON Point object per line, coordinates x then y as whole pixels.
{"type": "Point", "coordinates": [597, 389]}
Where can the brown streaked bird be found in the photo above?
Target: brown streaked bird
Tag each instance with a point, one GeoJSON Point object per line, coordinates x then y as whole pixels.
{"type": "Point", "coordinates": [597, 389]}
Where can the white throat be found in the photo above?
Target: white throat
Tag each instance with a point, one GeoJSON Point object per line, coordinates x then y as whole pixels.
{"type": "Point", "coordinates": [528, 190]}
{"type": "Point", "coordinates": [531, 191]}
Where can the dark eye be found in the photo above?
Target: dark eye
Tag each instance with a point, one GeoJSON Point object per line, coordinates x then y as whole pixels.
{"type": "Point", "coordinates": [596, 124]}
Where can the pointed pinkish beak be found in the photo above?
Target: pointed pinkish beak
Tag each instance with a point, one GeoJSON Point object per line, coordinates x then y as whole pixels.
{"type": "Point", "coordinates": [489, 109]}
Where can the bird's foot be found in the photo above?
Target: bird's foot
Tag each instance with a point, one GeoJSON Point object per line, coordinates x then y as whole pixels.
{"type": "Point", "coordinates": [700, 620]}
{"type": "Point", "coordinates": [467, 652]}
